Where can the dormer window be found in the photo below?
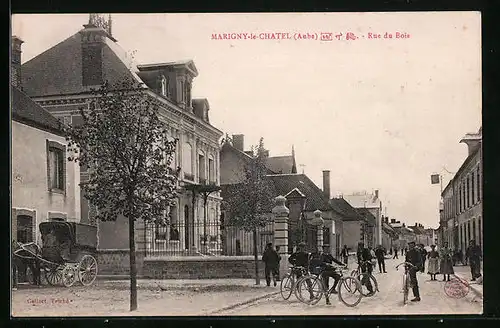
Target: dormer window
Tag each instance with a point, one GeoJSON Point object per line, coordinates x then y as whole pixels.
{"type": "Point", "coordinates": [163, 86]}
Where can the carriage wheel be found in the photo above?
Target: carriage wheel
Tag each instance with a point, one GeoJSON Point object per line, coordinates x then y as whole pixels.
{"type": "Point", "coordinates": [69, 275]}
{"type": "Point", "coordinates": [53, 276]}
{"type": "Point", "coordinates": [87, 270]}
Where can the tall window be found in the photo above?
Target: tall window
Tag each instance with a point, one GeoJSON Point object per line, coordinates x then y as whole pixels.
{"type": "Point", "coordinates": [467, 195]}
{"type": "Point", "coordinates": [163, 86]}
{"type": "Point", "coordinates": [460, 198]}
{"type": "Point", "coordinates": [56, 168]}
{"type": "Point", "coordinates": [468, 232]}
{"type": "Point", "coordinates": [187, 164]}
{"type": "Point", "coordinates": [474, 229]}
{"type": "Point", "coordinates": [24, 229]}
{"type": "Point", "coordinates": [201, 168]}
{"type": "Point", "coordinates": [211, 170]}
{"type": "Point", "coordinates": [188, 94]}
{"type": "Point", "coordinates": [478, 185]}
{"type": "Point", "coordinates": [473, 186]}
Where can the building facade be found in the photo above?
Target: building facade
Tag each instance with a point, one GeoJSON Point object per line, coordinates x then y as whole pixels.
{"type": "Point", "coordinates": [44, 184]}
{"type": "Point", "coordinates": [462, 217]}
{"type": "Point", "coordinates": [372, 202]}
{"type": "Point", "coordinates": [88, 59]}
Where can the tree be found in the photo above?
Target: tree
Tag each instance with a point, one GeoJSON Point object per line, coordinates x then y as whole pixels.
{"type": "Point", "coordinates": [125, 147]}
{"type": "Point", "coordinates": [251, 199]}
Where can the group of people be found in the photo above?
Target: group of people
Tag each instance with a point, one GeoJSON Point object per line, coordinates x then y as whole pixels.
{"type": "Point", "coordinates": [438, 262]}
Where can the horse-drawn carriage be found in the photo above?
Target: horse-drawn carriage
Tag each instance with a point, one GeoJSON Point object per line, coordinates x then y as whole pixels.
{"type": "Point", "coordinates": [67, 253]}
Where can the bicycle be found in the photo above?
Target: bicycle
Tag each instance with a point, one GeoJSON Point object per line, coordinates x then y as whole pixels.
{"type": "Point", "coordinates": [347, 285]}
{"type": "Point", "coordinates": [362, 276]}
{"type": "Point", "coordinates": [406, 280]}
{"type": "Point", "coordinates": [289, 282]}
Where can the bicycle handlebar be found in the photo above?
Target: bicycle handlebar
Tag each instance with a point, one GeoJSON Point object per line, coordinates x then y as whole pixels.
{"type": "Point", "coordinates": [405, 263]}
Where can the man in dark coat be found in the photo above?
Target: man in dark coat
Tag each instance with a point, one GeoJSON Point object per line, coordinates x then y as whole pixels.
{"type": "Point", "coordinates": [395, 253]}
{"type": "Point", "coordinates": [326, 259]}
{"type": "Point", "coordinates": [473, 255]}
{"type": "Point", "coordinates": [271, 261]}
{"type": "Point", "coordinates": [380, 255]}
{"type": "Point", "coordinates": [301, 258]}
{"type": "Point", "coordinates": [414, 256]}
{"type": "Point", "coordinates": [364, 260]}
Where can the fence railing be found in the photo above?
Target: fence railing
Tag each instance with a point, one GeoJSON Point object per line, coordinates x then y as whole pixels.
{"type": "Point", "coordinates": [210, 239]}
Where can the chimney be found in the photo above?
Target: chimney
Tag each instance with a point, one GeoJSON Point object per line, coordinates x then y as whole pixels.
{"type": "Point", "coordinates": [92, 40]}
{"type": "Point", "coordinates": [376, 194]}
{"type": "Point", "coordinates": [239, 141]}
{"type": "Point", "coordinates": [393, 221]}
{"type": "Point", "coordinates": [326, 183]}
{"type": "Point", "coordinates": [15, 68]}
{"type": "Point", "coordinates": [404, 225]}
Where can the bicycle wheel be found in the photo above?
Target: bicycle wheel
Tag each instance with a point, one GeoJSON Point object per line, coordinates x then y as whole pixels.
{"type": "Point", "coordinates": [354, 273]}
{"type": "Point", "coordinates": [367, 279]}
{"type": "Point", "coordinates": [286, 287]}
{"type": "Point", "coordinates": [406, 288]}
{"type": "Point", "coordinates": [309, 289]}
{"type": "Point", "coordinates": [350, 291]}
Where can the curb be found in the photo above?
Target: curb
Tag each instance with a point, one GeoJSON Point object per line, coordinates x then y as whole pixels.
{"type": "Point", "coordinates": [472, 286]}
{"type": "Point", "coordinates": [255, 299]}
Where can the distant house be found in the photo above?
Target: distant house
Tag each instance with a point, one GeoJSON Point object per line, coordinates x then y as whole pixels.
{"type": "Point", "coordinates": [405, 235]}
{"type": "Point", "coordinates": [389, 235]}
{"type": "Point", "coordinates": [372, 202]}
{"type": "Point", "coordinates": [368, 226]}
{"type": "Point", "coordinates": [45, 186]}
{"type": "Point", "coordinates": [353, 225]}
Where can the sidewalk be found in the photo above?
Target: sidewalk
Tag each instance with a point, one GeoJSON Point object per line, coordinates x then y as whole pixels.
{"type": "Point", "coordinates": [155, 298]}
{"type": "Point", "coordinates": [463, 272]}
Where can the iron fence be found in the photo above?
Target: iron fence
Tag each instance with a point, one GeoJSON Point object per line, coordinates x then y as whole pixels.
{"type": "Point", "coordinates": [205, 239]}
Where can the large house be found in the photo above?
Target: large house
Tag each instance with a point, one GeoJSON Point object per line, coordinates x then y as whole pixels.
{"type": "Point", "coordinates": [60, 80]}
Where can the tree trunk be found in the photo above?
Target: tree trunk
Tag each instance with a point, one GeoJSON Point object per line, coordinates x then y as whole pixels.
{"type": "Point", "coordinates": [256, 256]}
{"type": "Point", "coordinates": [133, 266]}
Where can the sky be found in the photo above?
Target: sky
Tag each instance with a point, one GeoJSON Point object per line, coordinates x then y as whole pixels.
{"type": "Point", "coordinates": [379, 113]}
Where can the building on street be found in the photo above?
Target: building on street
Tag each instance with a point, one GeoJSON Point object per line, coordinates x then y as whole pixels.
{"type": "Point", "coordinates": [405, 234]}
{"type": "Point", "coordinates": [368, 227]}
{"type": "Point", "coordinates": [462, 219]}
{"type": "Point", "coordinates": [372, 202]}
{"type": "Point", "coordinates": [44, 184]}
{"type": "Point", "coordinates": [389, 235]}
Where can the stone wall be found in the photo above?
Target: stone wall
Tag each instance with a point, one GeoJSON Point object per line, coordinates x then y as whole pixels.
{"type": "Point", "coordinates": [116, 263]}
{"type": "Point", "coordinates": [202, 268]}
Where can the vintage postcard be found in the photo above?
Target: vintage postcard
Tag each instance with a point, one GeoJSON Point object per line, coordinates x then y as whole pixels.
{"type": "Point", "coordinates": [246, 164]}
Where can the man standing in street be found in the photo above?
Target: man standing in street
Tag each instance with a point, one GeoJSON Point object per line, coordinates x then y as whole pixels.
{"type": "Point", "coordinates": [473, 255]}
{"type": "Point", "coordinates": [423, 252]}
{"type": "Point", "coordinates": [380, 254]}
{"type": "Point", "coordinates": [395, 253]}
{"type": "Point", "coordinates": [414, 256]}
{"type": "Point", "coordinates": [271, 261]}
{"type": "Point", "coordinates": [364, 261]}
{"type": "Point", "coordinates": [345, 254]}
{"type": "Point", "coordinates": [278, 267]}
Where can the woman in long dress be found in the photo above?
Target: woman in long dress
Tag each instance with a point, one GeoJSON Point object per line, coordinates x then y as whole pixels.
{"type": "Point", "coordinates": [433, 267]}
{"type": "Point", "coordinates": [446, 265]}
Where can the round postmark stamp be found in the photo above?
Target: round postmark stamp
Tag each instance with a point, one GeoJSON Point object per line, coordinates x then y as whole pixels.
{"type": "Point", "coordinates": [456, 288]}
